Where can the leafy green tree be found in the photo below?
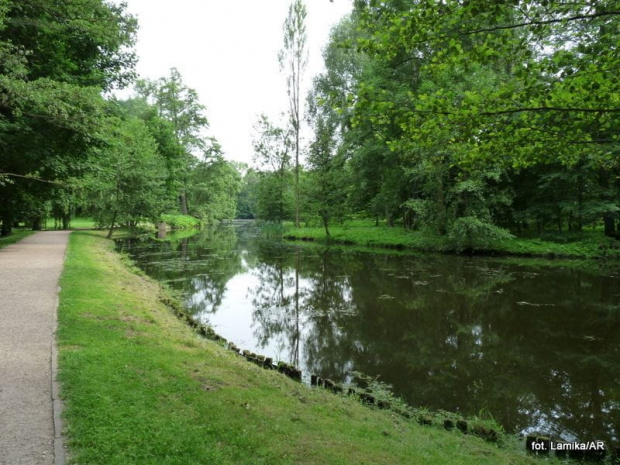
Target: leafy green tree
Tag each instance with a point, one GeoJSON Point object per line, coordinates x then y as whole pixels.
{"type": "Point", "coordinates": [55, 60]}
{"type": "Point", "coordinates": [272, 154]}
{"type": "Point", "coordinates": [293, 59]}
{"type": "Point", "coordinates": [168, 146]}
{"type": "Point", "coordinates": [180, 107]}
{"type": "Point", "coordinates": [545, 89]}
{"type": "Point", "coordinates": [126, 183]}
{"type": "Point", "coordinates": [214, 186]}
{"type": "Point", "coordinates": [327, 191]}
{"type": "Point", "coordinates": [246, 200]}
{"type": "Point", "coordinates": [328, 176]}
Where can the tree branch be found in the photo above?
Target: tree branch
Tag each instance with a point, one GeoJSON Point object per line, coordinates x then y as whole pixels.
{"type": "Point", "coordinates": [536, 23]}
{"type": "Point", "coordinates": [33, 178]}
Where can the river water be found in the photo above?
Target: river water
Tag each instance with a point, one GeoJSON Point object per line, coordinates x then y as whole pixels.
{"type": "Point", "coordinates": [534, 344]}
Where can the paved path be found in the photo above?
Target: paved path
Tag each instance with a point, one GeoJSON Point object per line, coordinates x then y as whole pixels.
{"type": "Point", "coordinates": [29, 405]}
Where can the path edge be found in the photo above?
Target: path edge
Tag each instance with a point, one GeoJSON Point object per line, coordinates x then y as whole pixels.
{"type": "Point", "coordinates": [59, 447]}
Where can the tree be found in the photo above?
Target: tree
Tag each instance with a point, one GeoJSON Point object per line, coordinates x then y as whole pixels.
{"type": "Point", "coordinates": [180, 106]}
{"type": "Point", "coordinates": [246, 200]}
{"type": "Point", "coordinates": [54, 62]}
{"type": "Point", "coordinates": [293, 59]}
{"type": "Point", "coordinates": [214, 186]}
{"type": "Point", "coordinates": [126, 183]}
{"type": "Point", "coordinates": [542, 73]}
{"type": "Point", "coordinates": [272, 153]}
{"type": "Point", "coordinates": [328, 178]}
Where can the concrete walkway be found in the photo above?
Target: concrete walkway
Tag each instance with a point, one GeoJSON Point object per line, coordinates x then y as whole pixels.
{"type": "Point", "coordinates": [29, 405]}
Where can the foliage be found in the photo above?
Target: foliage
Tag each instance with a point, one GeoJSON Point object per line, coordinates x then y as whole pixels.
{"type": "Point", "coordinates": [55, 62]}
{"type": "Point", "coordinates": [179, 111]}
{"type": "Point", "coordinates": [272, 148]}
{"type": "Point", "coordinates": [453, 117]}
{"type": "Point", "coordinates": [214, 187]}
{"type": "Point", "coordinates": [471, 233]}
{"type": "Point", "coordinates": [126, 184]}
{"type": "Point", "coordinates": [364, 233]}
{"type": "Point", "coordinates": [180, 221]}
{"type": "Point", "coordinates": [327, 190]}
{"type": "Point", "coordinates": [274, 197]}
{"type": "Point", "coordinates": [246, 199]}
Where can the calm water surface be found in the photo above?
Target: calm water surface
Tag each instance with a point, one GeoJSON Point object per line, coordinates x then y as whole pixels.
{"type": "Point", "coordinates": [531, 343]}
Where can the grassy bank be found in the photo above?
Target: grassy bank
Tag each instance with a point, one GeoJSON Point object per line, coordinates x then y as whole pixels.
{"type": "Point", "coordinates": [141, 387]}
{"type": "Point", "coordinates": [17, 236]}
{"type": "Point", "coordinates": [79, 222]}
{"type": "Point", "coordinates": [591, 244]}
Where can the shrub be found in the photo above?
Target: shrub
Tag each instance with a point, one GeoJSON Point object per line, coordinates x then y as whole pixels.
{"type": "Point", "coordinates": [471, 233]}
{"type": "Point", "coordinates": [180, 221]}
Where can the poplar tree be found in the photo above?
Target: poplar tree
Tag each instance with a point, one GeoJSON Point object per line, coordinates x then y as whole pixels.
{"type": "Point", "coordinates": [293, 59]}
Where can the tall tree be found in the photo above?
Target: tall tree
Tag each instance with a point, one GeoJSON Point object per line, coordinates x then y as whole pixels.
{"type": "Point", "coordinates": [179, 104]}
{"type": "Point", "coordinates": [327, 192]}
{"type": "Point", "coordinates": [293, 59]}
{"type": "Point", "coordinates": [55, 59]}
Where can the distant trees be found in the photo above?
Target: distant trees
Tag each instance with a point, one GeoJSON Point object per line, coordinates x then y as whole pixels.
{"type": "Point", "coordinates": [272, 154]}
{"type": "Point", "coordinates": [63, 146]}
{"type": "Point", "coordinates": [214, 186]}
{"type": "Point", "coordinates": [246, 199]}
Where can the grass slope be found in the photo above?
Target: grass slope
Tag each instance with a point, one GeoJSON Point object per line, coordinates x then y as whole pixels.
{"type": "Point", "coordinates": [140, 387]}
{"type": "Point", "coordinates": [17, 236]}
{"type": "Point", "coordinates": [591, 244]}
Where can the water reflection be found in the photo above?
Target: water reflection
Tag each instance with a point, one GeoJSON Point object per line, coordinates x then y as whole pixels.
{"type": "Point", "coordinates": [534, 346]}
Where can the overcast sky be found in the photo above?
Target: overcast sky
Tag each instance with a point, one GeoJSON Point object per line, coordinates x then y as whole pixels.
{"type": "Point", "coordinates": [227, 51]}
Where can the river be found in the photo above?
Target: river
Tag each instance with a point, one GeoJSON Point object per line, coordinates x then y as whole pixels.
{"type": "Point", "coordinates": [534, 344]}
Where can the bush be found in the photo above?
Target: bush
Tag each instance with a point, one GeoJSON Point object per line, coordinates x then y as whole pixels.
{"type": "Point", "coordinates": [180, 221]}
{"type": "Point", "coordinates": [471, 233]}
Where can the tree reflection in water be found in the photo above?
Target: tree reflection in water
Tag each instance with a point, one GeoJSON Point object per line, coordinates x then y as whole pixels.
{"type": "Point", "coordinates": [536, 347]}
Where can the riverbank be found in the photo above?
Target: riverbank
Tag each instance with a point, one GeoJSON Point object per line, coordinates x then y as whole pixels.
{"type": "Point", "coordinates": [590, 245]}
{"type": "Point", "coordinates": [140, 386]}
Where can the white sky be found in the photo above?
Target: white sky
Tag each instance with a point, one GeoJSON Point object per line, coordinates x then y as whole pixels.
{"type": "Point", "coordinates": [227, 51]}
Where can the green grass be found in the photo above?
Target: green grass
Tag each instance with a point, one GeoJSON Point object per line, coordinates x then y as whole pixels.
{"type": "Point", "coordinates": [78, 222]}
{"type": "Point", "coordinates": [17, 236]}
{"type": "Point", "coordinates": [140, 387]}
{"type": "Point", "coordinates": [180, 221]}
{"type": "Point", "coordinates": [365, 233]}
{"type": "Point", "coordinates": [83, 223]}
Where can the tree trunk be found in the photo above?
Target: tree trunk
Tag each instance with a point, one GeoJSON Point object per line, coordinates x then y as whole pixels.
{"type": "Point", "coordinates": [109, 236]}
{"type": "Point", "coordinates": [183, 203]}
{"type": "Point", "coordinates": [580, 188]}
{"type": "Point", "coordinates": [297, 223]}
{"type": "Point", "coordinates": [7, 223]}
{"type": "Point", "coordinates": [388, 217]}
{"type": "Point", "coordinates": [610, 224]}
{"type": "Point", "coordinates": [36, 224]}
{"type": "Point", "coordinates": [66, 220]}
{"type": "Point", "coordinates": [609, 218]}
